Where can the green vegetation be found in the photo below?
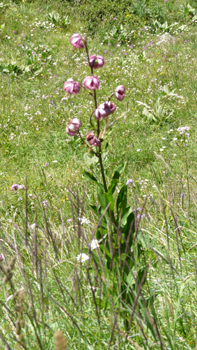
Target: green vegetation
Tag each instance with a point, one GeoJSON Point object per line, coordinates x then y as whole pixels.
{"type": "Point", "coordinates": [149, 47]}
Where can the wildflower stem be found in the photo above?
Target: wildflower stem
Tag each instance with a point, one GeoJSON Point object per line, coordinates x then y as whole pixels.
{"type": "Point", "coordinates": [102, 170]}
{"type": "Point", "coordinates": [91, 120]}
{"type": "Point", "coordinates": [109, 98]}
{"type": "Point", "coordinates": [98, 128]}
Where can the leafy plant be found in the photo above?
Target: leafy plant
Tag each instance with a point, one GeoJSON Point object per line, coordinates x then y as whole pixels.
{"type": "Point", "coordinates": [121, 34]}
{"type": "Point", "coordinates": [58, 20]}
{"type": "Point", "coordinates": [122, 248]}
{"type": "Point", "coordinates": [117, 230]}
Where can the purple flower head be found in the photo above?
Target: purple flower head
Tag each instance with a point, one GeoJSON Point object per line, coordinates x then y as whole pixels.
{"type": "Point", "coordinates": [92, 139]}
{"type": "Point", "coordinates": [78, 41]}
{"type": "Point", "coordinates": [96, 61]}
{"type": "Point", "coordinates": [71, 86]}
{"type": "Point", "coordinates": [130, 181]}
{"type": "Point", "coordinates": [73, 128]}
{"type": "Point", "coordinates": [104, 110]}
{"type": "Point", "coordinates": [16, 187]}
{"type": "Point", "coordinates": [100, 113]}
{"type": "Point", "coordinates": [77, 122]}
{"type": "Point", "coordinates": [119, 92]}
{"type": "Point", "coordinates": [91, 83]}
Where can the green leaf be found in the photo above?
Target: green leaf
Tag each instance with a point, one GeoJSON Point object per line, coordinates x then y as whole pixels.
{"type": "Point", "coordinates": [101, 196]}
{"type": "Point", "coordinates": [94, 208]}
{"type": "Point", "coordinates": [140, 275]}
{"type": "Point", "coordinates": [122, 200]}
{"type": "Point", "coordinates": [100, 234]}
{"type": "Point", "coordinates": [110, 199]}
{"type": "Point", "coordinates": [105, 198]}
{"type": "Point", "coordinates": [127, 227]}
{"type": "Point", "coordinates": [147, 319]}
{"type": "Point", "coordinates": [113, 185]}
{"type": "Point", "coordinates": [125, 219]}
{"type": "Point", "coordinates": [90, 176]}
{"type": "Point", "coordinates": [119, 171]}
{"type": "Point", "coordinates": [2, 26]}
{"type": "Point", "coordinates": [130, 280]}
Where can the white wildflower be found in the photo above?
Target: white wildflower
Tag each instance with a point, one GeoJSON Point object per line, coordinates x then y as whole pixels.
{"type": "Point", "coordinates": [83, 221]}
{"type": "Point", "coordinates": [183, 129]}
{"type": "Point", "coordinates": [94, 244]}
{"type": "Point", "coordinates": [82, 257]}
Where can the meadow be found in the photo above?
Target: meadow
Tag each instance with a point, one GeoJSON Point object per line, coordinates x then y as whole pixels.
{"type": "Point", "coordinates": [49, 298]}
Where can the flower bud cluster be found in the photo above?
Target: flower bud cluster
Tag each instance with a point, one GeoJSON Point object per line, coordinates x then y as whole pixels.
{"type": "Point", "coordinates": [91, 83]}
{"type": "Point", "coordinates": [73, 128]}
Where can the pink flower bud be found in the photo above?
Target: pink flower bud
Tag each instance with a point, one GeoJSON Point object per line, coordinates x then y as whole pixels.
{"type": "Point", "coordinates": [119, 92]}
{"type": "Point", "coordinates": [111, 106]}
{"type": "Point", "coordinates": [78, 41]}
{"type": "Point", "coordinates": [96, 61]}
{"type": "Point", "coordinates": [104, 110]}
{"type": "Point", "coordinates": [100, 113]}
{"type": "Point", "coordinates": [92, 139]}
{"type": "Point", "coordinates": [91, 83]}
{"type": "Point", "coordinates": [76, 122]}
{"type": "Point", "coordinates": [71, 86]}
{"type": "Point", "coordinates": [16, 187]}
{"type": "Point", "coordinates": [73, 128]}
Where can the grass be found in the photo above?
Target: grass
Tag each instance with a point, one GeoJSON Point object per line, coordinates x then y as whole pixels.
{"type": "Point", "coordinates": [36, 60]}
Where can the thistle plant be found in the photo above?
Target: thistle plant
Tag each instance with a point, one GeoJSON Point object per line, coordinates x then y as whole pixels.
{"type": "Point", "coordinates": [117, 232]}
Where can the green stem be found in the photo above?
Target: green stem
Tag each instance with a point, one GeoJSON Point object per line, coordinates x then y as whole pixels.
{"type": "Point", "coordinates": [98, 130]}
{"type": "Point", "coordinates": [102, 170]}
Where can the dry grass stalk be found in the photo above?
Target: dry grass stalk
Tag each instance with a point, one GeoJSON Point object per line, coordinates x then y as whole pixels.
{"type": "Point", "coordinates": [60, 341]}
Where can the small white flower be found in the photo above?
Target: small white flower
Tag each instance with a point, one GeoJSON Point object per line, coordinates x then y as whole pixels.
{"type": "Point", "coordinates": [83, 221]}
{"type": "Point", "coordinates": [183, 129]}
{"type": "Point", "coordinates": [138, 150]}
{"type": "Point", "coordinates": [33, 226]}
{"type": "Point", "coordinates": [94, 244]}
{"type": "Point", "coordinates": [82, 257]}
{"type": "Point", "coordinates": [54, 161]}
